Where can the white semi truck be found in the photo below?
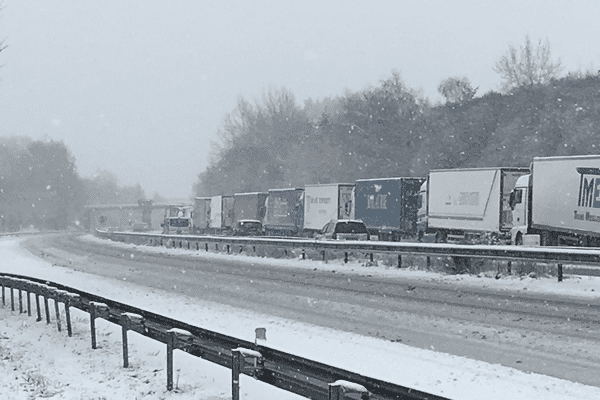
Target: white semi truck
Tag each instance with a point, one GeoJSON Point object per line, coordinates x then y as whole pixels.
{"type": "Point", "coordinates": [325, 202]}
{"type": "Point", "coordinates": [470, 205]}
{"type": "Point", "coordinates": [558, 203]}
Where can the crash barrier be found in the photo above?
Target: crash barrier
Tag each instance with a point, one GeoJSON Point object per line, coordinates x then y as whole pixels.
{"type": "Point", "coordinates": [460, 253]}
{"type": "Point", "coordinates": [286, 371]}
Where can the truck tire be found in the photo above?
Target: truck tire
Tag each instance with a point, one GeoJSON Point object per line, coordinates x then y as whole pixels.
{"type": "Point", "coordinates": [441, 237]}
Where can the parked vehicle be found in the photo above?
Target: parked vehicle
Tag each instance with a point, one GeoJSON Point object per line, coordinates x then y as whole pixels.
{"type": "Point", "coordinates": [343, 229]}
{"type": "Point", "coordinates": [202, 214]}
{"type": "Point", "coordinates": [178, 219]}
{"type": "Point", "coordinates": [285, 212]}
{"type": "Point", "coordinates": [249, 206]}
{"type": "Point", "coordinates": [325, 202]}
{"type": "Point", "coordinates": [469, 205]}
{"type": "Point", "coordinates": [248, 227]}
{"type": "Point", "coordinates": [221, 214]}
{"type": "Point", "coordinates": [388, 206]}
{"type": "Point", "coordinates": [558, 203]}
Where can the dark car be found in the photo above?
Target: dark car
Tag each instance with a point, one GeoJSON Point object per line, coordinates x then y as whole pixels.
{"type": "Point", "coordinates": [344, 229]}
{"type": "Point", "coordinates": [248, 227]}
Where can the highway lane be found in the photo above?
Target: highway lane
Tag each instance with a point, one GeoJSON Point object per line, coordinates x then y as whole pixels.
{"type": "Point", "coordinates": [545, 334]}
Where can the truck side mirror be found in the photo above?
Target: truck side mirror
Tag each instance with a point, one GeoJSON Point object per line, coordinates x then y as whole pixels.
{"type": "Point", "coordinates": [511, 201]}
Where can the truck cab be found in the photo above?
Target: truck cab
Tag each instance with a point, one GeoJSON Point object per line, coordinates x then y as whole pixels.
{"type": "Point", "coordinates": [422, 212]}
{"type": "Point", "coordinates": [178, 219]}
{"type": "Point", "coordinates": [518, 204]}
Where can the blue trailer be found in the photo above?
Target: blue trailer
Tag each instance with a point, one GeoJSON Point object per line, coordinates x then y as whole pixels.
{"type": "Point", "coordinates": [388, 206]}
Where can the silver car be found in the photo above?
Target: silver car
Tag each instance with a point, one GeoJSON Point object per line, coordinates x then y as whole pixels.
{"type": "Point", "coordinates": [344, 229]}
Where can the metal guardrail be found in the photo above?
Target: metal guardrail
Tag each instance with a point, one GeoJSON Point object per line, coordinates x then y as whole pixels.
{"type": "Point", "coordinates": [286, 371]}
{"type": "Point", "coordinates": [560, 255]}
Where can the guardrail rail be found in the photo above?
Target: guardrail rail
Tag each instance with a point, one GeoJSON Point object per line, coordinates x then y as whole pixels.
{"type": "Point", "coordinates": [301, 376]}
{"type": "Point", "coordinates": [558, 255]}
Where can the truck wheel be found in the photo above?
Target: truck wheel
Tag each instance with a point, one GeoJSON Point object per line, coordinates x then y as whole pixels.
{"type": "Point", "coordinates": [441, 237]}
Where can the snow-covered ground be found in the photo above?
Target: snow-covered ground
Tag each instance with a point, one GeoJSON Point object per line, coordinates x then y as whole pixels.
{"type": "Point", "coordinates": [37, 361]}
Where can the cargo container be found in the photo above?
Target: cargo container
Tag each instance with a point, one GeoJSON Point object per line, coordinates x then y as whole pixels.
{"type": "Point", "coordinates": [249, 206]}
{"type": "Point", "coordinates": [221, 214]}
{"type": "Point", "coordinates": [388, 206]}
{"type": "Point", "coordinates": [559, 203]}
{"type": "Point", "coordinates": [323, 203]}
{"type": "Point", "coordinates": [201, 216]}
{"type": "Point", "coordinates": [285, 212]}
{"type": "Point", "coordinates": [470, 205]}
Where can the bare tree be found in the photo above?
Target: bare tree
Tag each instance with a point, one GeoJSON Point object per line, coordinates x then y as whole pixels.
{"type": "Point", "coordinates": [457, 90]}
{"type": "Point", "coordinates": [528, 65]}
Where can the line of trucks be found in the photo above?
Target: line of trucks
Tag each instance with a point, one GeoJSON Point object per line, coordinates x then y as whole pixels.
{"type": "Point", "coordinates": [556, 202]}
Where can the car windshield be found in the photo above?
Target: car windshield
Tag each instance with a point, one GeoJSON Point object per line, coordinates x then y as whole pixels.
{"type": "Point", "coordinates": [351, 227]}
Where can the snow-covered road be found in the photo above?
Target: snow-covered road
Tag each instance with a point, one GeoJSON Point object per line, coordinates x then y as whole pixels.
{"type": "Point", "coordinates": [36, 360]}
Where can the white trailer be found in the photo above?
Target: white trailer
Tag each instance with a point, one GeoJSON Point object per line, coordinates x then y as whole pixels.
{"type": "Point", "coordinates": [471, 204]}
{"type": "Point", "coordinates": [325, 202]}
{"type": "Point", "coordinates": [559, 202]}
{"type": "Point", "coordinates": [221, 213]}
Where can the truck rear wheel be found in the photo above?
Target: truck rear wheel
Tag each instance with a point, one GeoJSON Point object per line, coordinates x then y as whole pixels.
{"type": "Point", "coordinates": [441, 237]}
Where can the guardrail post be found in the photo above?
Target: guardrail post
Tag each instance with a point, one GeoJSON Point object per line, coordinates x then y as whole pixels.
{"type": "Point", "coordinates": [560, 272]}
{"type": "Point", "coordinates": [96, 310]}
{"type": "Point", "coordinates": [509, 268]}
{"type": "Point", "coordinates": [370, 257]}
{"type": "Point", "coordinates": [3, 294]}
{"type": "Point", "coordinates": [345, 257]}
{"type": "Point", "coordinates": [37, 304]}
{"type": "Point", "coordinates": [46, 293]}
{"type": "Point", "coordinates": [129, 321]}
{"type": "Point", "coordinates": [206, 246]}
{"type": "Point", "coordinates": [338, 390]}
{"type": "Point", "coordinates": [12, 299]}
{"type": "Point", "coordinates": [66, 298]}
{"type": "Point", "coordinates": [323, 255]}
{"type": "Point", "coordinates": [176, 338]}
{"type": "Point", "coordinates": [428, 263]}
{"type": "Point", "coordinates": [56, 309]}
{"type": "Point", "coordinates": [27, 286]}
{"type": "Point", "coordinates": [235, 374]}
{"type": "Point", "coordinates": [303, 254]}
{"type": "Point", "coordinates": [237, 364]}
{"type": "Point", "coordinates": [399, 261]}
{"type": "Point", "coordinates": [20, 297]}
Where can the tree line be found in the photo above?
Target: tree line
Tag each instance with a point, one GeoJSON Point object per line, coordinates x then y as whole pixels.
{"type": "Point", "coordinates": [40, 186]}
{"type": "Point", "coordinates": [389, 130]}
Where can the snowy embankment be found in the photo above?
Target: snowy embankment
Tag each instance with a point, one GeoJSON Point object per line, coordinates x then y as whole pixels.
{"type": "Point", "coordinates": [37, 361]}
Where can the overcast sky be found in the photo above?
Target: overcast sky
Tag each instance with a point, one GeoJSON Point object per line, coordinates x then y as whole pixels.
{"type": "Point", "coordinates": [140, 87]}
